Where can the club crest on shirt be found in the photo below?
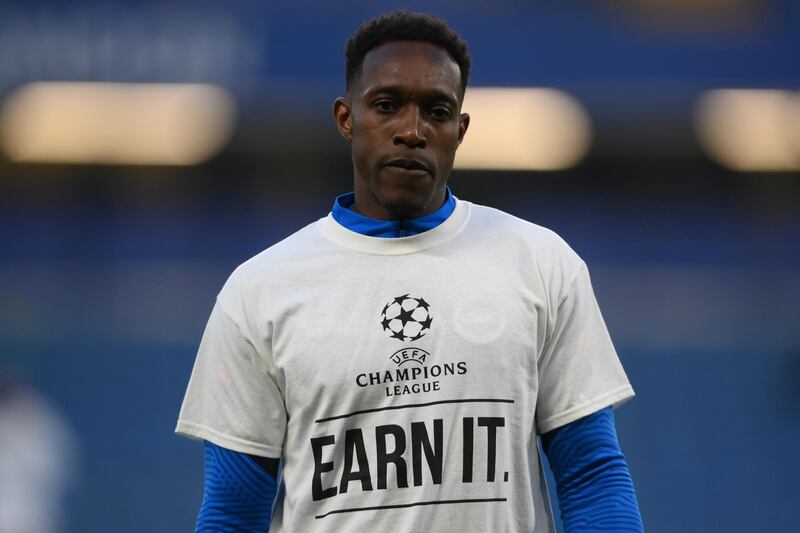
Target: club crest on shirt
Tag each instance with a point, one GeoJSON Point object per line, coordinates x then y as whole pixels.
{"type": "Point", "coordinates": [479, 318]}
{"type": "Point", "coordinates": [406, 318]}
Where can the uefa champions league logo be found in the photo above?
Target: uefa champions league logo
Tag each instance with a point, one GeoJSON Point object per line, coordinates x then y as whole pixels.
{"type": "Point", "coordinates": [406, 318]}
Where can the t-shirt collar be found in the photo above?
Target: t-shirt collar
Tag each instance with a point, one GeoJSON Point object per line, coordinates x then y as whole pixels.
{"type": "Point", "coordinates": [344, 214]}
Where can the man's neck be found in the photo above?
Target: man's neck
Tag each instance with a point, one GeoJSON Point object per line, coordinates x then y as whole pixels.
{"type": "Point", "coordinates": [343, 212]}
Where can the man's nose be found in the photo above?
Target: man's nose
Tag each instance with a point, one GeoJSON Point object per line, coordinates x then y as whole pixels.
{"type": "Point", "coordinates": [410, 131]}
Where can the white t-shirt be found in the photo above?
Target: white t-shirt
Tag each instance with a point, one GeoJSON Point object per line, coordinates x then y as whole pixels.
{"type": "Point", "coordinates": [403, 381]}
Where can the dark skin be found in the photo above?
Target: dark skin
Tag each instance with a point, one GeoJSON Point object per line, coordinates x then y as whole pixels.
{"type": "Point", "coordinates": [402, 117]}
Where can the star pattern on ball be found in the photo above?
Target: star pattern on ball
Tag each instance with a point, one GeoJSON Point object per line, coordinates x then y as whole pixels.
{"type": "Point", "coordinates": [422, 303]}
{"type": "Point", "coordinates": [399, 335]}
{"type": "Point", "coordinates": [426, 324]}
{"type": "Point", "coordinates": [399, 299]}
{"type": "Point", "coordinates": [406, 318]}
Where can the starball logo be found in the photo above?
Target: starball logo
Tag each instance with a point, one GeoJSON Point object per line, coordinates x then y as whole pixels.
{"type": "Point", "coordinates": [406, 318]}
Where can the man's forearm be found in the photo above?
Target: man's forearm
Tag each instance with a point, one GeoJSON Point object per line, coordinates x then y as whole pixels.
{"type": "Point", "coordinates": [239, 492]}
{"type": "Point", "coordinates": [595, 489]}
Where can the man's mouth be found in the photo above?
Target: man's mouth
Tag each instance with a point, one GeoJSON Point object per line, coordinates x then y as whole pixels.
{"type": "Point", "coordinates": [411, 166]}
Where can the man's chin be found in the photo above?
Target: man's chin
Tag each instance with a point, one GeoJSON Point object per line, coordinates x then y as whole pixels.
{"type": "Point", "coordinates": [405, 192]}
{"type": "Point", "coordinates": [405, 206]}
{"type": "Point", "coordinates": [402, 198]}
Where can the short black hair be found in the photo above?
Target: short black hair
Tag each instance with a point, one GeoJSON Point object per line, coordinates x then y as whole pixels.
{"type": "Point", "coordinates": [405, 25]}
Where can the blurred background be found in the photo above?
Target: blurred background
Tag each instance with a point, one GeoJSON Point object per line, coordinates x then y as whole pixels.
{"type": "Point", "coordinates": [147, 148]}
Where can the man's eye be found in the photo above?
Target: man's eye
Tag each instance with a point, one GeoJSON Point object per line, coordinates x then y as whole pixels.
{"type": "Point", "coordinates": [385, 106]}
{"type": "Point", "coordinates": [440, 113]}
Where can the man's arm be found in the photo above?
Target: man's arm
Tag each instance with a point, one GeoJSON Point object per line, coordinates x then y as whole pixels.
{"type": "Point", "coordinates": [239, 491]}
{"type": "Point", "coordinates": [595, 489]}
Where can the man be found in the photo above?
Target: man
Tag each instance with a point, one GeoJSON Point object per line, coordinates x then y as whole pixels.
{"type": "Point", "coordinates": [400, 356]}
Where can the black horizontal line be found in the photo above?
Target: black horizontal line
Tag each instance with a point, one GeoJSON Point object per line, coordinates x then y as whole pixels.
{"type": "Point", "coordinates": [414, 504]}
{"type": "Point", "coordinates": [413, 405]}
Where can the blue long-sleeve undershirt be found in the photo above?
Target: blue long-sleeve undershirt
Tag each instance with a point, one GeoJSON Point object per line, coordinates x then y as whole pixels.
{"type": "Point", "coordinates": [594, 486]}
{"type": "Point", "coordinates": [238, 493]}
{"type": "Point", "coordinates": [595, 489]}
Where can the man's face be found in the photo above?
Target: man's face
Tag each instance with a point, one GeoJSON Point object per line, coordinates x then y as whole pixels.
{"type": "Point", "coordinates": [402, 118]}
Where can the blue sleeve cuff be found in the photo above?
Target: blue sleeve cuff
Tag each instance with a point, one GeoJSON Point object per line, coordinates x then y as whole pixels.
{"type": "Point", "coordinates": [594, 485]}
{"type": "Point", "coordinates": [238, 493]}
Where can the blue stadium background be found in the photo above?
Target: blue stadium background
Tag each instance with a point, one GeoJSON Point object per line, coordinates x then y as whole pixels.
{"type": "Point", "coordinates": [107, 274]}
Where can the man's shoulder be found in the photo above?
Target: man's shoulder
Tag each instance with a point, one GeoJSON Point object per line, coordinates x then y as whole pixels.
{"type": "Point", "coordinates": [491, 220]}
{"type": "Point", "coordinates": [527, 246]}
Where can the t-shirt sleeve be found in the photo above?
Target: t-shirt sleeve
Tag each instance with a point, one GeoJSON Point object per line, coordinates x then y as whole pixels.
{"type": "Point", "coordinates": [233, 399]}
{"type": "Point", "coordinates": [579, 370]}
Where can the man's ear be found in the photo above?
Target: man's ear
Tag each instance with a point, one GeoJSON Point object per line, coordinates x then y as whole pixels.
{"type": "Point", "coordinates": [463, 124]}
{"type": "Point", "coordinates": [343, 118]}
